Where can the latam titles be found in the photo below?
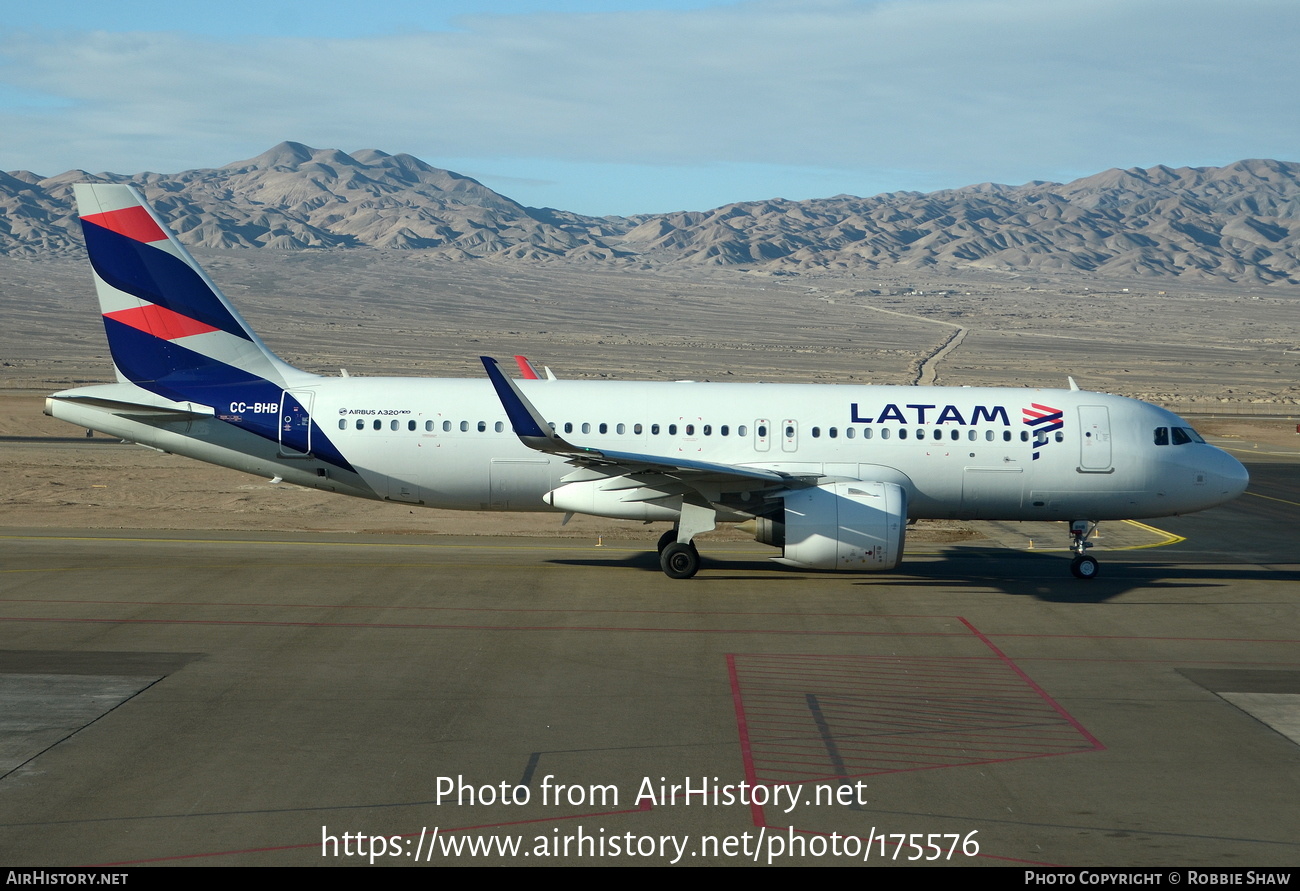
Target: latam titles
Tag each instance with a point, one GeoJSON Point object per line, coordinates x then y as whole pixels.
{"type": "Point", "coordinates": [913, 413]}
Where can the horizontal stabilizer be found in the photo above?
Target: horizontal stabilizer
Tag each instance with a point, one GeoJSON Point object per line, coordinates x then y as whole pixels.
{"type": "Point", "coordinates": [135, 410]}
{"type": "Point", "coordinates": [127, 399]}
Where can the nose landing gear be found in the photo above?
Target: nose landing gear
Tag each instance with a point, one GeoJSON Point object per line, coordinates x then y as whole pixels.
{"type": "Point", "coordinates": [1083, 566]}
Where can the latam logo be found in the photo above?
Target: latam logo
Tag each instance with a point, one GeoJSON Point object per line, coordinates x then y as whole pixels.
{"type": "Point", "coordinates": [915, 413]}
{"type": "Point", "coordinates": [1042, 419]}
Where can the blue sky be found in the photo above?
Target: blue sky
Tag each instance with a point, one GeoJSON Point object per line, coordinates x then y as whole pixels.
{"type": "Point", "coordinates": [655, 106]}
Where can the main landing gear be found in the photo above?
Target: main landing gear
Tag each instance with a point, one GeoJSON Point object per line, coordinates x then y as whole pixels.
{"type": "Point", "coordinates": [678, 556]}
{"type": "Point", "coordinates": [1083, 566]}
{"type": "Point", "coordinates": [680, 561]}
{"type": "Point", "coordinates": [677, 560]}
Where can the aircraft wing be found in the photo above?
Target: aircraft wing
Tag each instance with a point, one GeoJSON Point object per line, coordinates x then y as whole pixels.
{"type": "Point", "coordinates": [535, 432]}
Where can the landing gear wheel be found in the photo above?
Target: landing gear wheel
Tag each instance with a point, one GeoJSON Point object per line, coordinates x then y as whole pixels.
{"type": "Point", "coordinates": [679, 561]}
{"type": "Point", "coordinates": [666, 539]}
{"type": "Point", "coordinates": [1085, 568]}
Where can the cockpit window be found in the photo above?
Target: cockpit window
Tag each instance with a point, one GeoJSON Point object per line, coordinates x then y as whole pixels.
{"type": "Point", "coordinates": [1176, 436]}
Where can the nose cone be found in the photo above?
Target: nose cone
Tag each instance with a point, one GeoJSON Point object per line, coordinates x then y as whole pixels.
{"type": "Point", "coordinates": [1230, 476]}
{"type": "Point", "coordinates": [1226, 478]}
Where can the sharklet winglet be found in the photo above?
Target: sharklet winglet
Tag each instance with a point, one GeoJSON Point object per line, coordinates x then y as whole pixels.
{"type": "Point", "coordinates": [527, 422]}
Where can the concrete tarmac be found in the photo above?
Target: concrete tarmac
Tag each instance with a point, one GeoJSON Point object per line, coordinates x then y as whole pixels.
{"type": "Point", "coordinates": [286, 699]}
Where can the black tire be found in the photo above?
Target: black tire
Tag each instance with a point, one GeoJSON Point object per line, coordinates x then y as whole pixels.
{"type": "Point", "coordinates": [666, 539]}
{"type": "Point", "coordinates": [679, 561]}
{"type": "Point", "coordinates": [1085, 568]}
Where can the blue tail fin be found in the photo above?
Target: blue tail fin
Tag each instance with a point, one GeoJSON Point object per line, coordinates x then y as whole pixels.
{"type": "Point", "coordinates": [169, 327]}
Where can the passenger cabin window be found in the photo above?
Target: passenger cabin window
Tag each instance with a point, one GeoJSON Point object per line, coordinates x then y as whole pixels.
{"type": "Point", "coordinates": [343, 423]}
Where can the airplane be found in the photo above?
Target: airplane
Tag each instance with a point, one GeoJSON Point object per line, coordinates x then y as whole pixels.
{"type": "Point", "coordinates": [830, 475]}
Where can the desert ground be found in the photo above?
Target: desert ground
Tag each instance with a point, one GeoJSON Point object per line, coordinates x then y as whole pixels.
{"type": "Point", "coordinates": [1218, 353]}
{"type": "Point", "coordinates": [379, 313]}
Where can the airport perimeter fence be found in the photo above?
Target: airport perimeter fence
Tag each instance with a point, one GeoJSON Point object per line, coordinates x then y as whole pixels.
{"type": "Point", "coordinates": [1283, 411]}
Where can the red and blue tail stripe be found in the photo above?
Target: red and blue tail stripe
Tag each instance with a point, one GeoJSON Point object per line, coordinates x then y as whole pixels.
{"type": "Point", "coordinates": [155, 276]}
{"type": "Point", "coordinates": [172, 332]}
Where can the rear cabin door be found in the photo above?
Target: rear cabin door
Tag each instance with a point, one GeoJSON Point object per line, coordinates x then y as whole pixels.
{"type": "Point", "coordinates": [295, 423]}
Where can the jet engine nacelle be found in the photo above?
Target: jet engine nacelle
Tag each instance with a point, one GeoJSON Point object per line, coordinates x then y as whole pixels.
{"type": "Point", "coordinates": [852, 526]}
{"type": "Point", "coordinates": [592, 497]}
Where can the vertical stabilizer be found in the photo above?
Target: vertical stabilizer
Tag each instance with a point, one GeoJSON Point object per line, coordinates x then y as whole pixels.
{"type": "Point", "coordinates": [169, 327]}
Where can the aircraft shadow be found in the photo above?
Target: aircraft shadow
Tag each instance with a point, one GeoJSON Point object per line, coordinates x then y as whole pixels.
{"type": "Point", "coordinates": [1042, 576]}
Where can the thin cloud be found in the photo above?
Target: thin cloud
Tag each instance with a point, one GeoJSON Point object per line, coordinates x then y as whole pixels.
{"type": "Point", "coordinates": [955, 90]}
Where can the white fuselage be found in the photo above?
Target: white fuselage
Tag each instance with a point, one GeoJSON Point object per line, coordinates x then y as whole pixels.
{"type": "Point", "coordinates": [958, 452]}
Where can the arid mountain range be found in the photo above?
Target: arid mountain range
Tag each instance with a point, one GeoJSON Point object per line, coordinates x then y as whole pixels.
{"type": "Point", "coordinates": [1238, 223]}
